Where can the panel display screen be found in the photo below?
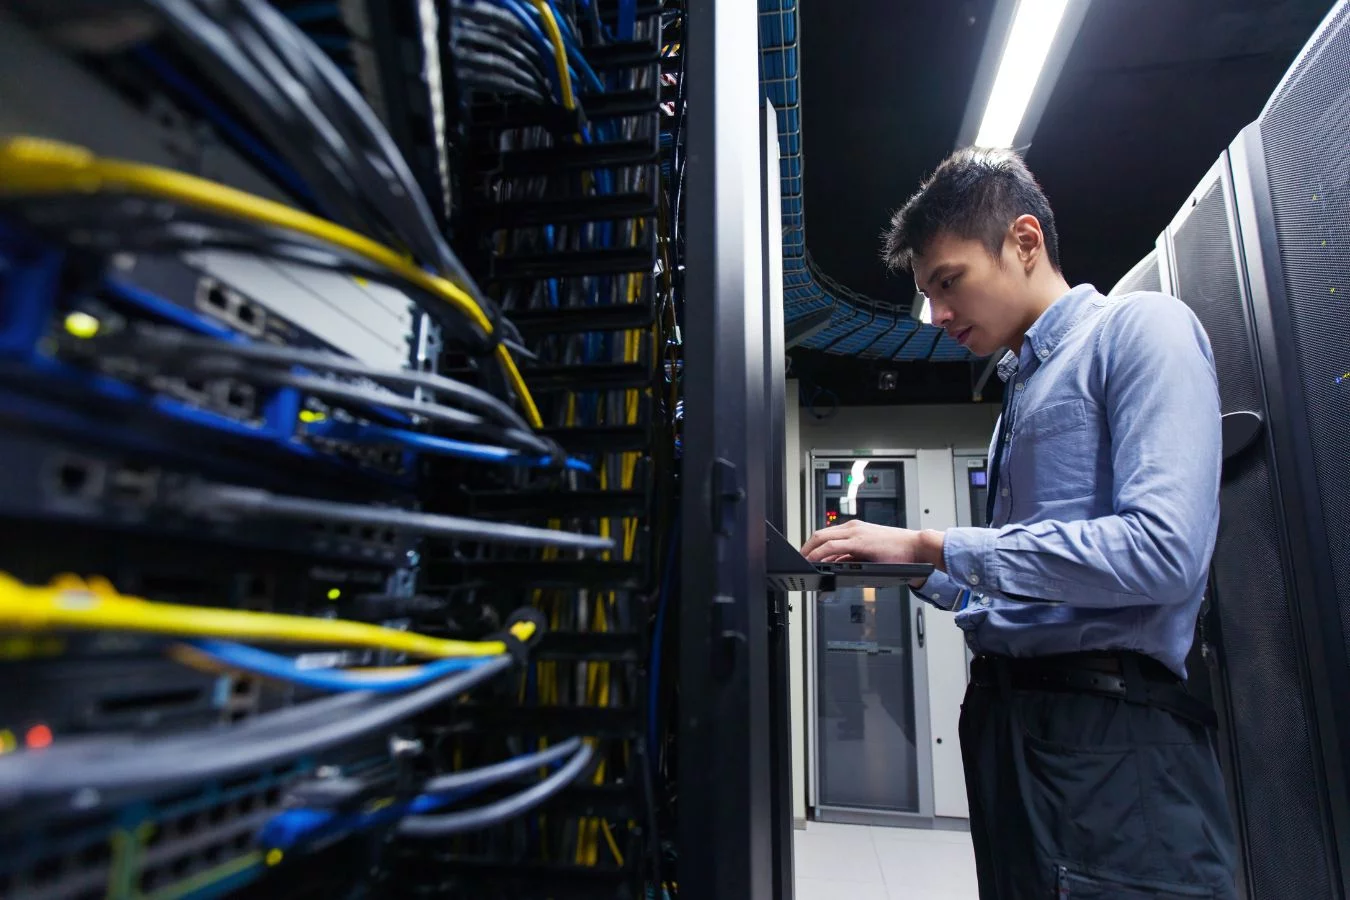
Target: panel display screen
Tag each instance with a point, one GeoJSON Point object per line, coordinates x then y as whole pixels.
{"type": "Point", "coordinates": [834, 479]}
{"type": "Point", "coordinates": [979, 478]}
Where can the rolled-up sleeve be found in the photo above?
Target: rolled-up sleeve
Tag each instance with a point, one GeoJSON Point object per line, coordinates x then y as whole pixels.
{"type": "Point", "coordinates": [1162, 405]}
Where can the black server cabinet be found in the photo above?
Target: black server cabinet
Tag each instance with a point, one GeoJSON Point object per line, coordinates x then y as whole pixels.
{"type": "Point", "coordinates": [1261, 252]}
{"type": "Point", "coordinates": [775, 511]}
{"type": "Point", "coordinates": [726, 808]}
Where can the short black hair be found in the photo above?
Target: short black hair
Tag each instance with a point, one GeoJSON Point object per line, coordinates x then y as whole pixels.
{"type": "Point", "coordinates": [975, 193]}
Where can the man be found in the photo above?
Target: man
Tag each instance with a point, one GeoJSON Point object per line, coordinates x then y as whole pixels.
{"type": "Point", "coordinates": [1090, 772]}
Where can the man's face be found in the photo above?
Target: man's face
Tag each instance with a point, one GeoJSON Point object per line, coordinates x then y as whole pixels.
{"type": "Point", "coordinates": [979, 300]}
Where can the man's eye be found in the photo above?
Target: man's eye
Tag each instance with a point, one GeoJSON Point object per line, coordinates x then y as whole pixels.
{"type": "Point", "coordinates": [948, 282]}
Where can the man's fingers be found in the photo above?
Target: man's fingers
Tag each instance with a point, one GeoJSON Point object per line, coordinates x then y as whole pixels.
{"type": "Point", "coordinates": [836, 547]}
{"type": "Point", "coordinates": [816, 539]}
{"type": "Point", "coordinates": [825, 534]}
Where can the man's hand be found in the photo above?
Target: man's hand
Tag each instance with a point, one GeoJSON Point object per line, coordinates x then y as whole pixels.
{"type": "Point", "coordinates": [860, 541]}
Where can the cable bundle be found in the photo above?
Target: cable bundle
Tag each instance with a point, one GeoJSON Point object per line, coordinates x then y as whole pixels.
{"type": "Point", "coordinates": [552, 724]}
{"type": "Point", "coordinates": [577, 233]}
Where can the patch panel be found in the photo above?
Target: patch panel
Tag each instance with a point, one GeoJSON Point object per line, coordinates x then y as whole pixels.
{"type": "Point", "coordinates": [191, 844]}
{"type": "Point", "coordinates": [51, 481]}
{"type": "Point", "coordinates": [77, 871]}
{"type": "Point", "coordinates": [231, 307]}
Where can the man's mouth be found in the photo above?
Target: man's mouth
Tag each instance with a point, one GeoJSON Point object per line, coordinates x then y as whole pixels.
{"type": "Point", "coordinates": [963, 335]}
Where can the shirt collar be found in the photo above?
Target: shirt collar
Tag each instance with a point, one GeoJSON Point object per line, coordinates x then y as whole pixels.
{"type": "Point", "coordinates": [1047, 332]}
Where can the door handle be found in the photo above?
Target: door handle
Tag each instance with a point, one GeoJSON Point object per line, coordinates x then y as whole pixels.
{"type": "Point", "coordinates": [918, 616]}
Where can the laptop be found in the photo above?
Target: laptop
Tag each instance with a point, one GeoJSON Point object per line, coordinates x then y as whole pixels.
{"type": "Point", "coordinates": [788, 570]}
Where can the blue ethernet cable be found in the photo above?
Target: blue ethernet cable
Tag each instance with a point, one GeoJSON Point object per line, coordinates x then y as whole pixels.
{"type": "Point", "coordinates": [573, 48]}
{"type": "Point", "coordinates": [294, 827]}
{"type": "Point", "coordinates": [283, 668]}
{"type": "Point", "coordinates": [430, 443]}
{"type": "Point", "coordinates": [545, 47]}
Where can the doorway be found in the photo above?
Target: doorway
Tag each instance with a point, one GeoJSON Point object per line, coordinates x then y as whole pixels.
{"type": "Point", "coordinates": [871, 758]}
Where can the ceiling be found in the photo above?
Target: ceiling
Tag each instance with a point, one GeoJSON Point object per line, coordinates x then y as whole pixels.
{"type": "Point", "coordinates": [1151, 92]}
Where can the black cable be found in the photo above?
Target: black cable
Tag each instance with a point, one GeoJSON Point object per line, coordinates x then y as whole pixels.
{"type": "Point", "coordinates": [494, 83]}
{"type": "Point", "coordinates": [214, 49]}
{"type": "Point", "coordinates": [502, 771]}
{"type": "Point", "coordinates": [176, 344]}
{"type": "Point", "coordinates": [370, 400]}
{"type": "Point", "coordinates": [503, 810]}
{"type": "Point", "coordinates": [82, 769]}
{"type": "Point", "coordinates": [511, 46]}
{"type": "Point", "coordinates": [212, 499]}
{"type": "Point", "coordinates": [491, 63]}
{"type": "Point", "coordinates": [487, 58]}
{"type": "Point", "coordinates": [376, 161]}
{"type": "Point", "coordinates": [314, 81]}
{"type": "Point", "coordinates": [373, 135]}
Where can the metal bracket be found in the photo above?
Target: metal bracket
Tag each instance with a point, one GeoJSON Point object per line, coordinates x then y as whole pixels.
{"type": "Point", "coordinates": [724, 640]}
{"type": "Point", "coordinates": [726, 493]}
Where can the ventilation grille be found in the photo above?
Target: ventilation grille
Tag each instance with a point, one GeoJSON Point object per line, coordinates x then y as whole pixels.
{"type": "Point", "coordinates": [1308, 160]}
{"type": "Point", "coordinates": [1270, 726]}
{"type": "Point", "coordinates": [789, 583]}
{"type": "Point", "coordinates": [1145, 276]}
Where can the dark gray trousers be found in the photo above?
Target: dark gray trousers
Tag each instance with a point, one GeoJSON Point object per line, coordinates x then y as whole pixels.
{"type": "Point", "coordinates": [1076, 796]}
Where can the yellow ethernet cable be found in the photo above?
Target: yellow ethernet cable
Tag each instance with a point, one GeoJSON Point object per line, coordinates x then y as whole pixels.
{"type": "Point", "coordinates": [31, 166]}
{"type": "Point", "coordinates": [71, 604]}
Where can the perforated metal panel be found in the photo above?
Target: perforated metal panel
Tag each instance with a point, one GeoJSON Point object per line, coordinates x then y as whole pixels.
{"type": "Point", "coordinates": [1306, 129]}
{"type": "Point", "coordinates": [1145, 276]}
{"type": "Point", "coordinates": [1271, 740]}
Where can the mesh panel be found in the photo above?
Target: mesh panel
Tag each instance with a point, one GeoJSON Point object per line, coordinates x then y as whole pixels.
{"type": "Point", "coordinates": [1143, 277]}
{"type": "Point", "coordinates": [1308, 161]}
{"type": "Point", "coordinates": [1285, 845]}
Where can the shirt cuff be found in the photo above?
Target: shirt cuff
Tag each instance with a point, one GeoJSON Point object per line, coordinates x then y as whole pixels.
{"type": "Point", "coordinates": [939, 590]}
{"type": "Point", "coordinates": [968, 554]}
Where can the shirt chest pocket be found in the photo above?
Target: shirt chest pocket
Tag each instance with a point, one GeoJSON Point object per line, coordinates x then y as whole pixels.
{"type": "Point", "coordinates": [1051, 453]}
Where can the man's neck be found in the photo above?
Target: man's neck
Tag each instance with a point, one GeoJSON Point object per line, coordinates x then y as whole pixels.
{"type": "Point", "coordinates": [1044, 292]}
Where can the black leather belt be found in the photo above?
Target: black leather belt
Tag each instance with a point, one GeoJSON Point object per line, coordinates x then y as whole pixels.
{"type": "Point", "coordinates": [1132, 677]}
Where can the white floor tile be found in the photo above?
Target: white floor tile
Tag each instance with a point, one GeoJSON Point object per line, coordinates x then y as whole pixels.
{"type": "Point", "coordinates": [925, 867]}
{"type": "Point", "coordinates": [836, 853]}
{"type": "Point", "coordinates": [883, 835]}
{"type": "Point", "coordinates": [830, 889]}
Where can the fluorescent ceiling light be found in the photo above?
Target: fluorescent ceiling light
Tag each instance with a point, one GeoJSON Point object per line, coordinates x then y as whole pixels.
{"type": "Point", "coordinates": [1033, 31]}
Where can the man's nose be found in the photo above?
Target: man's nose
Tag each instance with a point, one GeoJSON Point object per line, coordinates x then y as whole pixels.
{"type": "Point", "coordinates": [941, 313]}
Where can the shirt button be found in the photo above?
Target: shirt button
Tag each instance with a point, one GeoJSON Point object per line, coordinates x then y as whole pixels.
{"type": "Point", "coordinates": [1020, 385]}
{"type": "Point", "coordinates": [937, 596]}
{"type": "Point", "coordinates": [1004, 492]}
{"type": "Point", "coordinates": [974, 579]}
{"type": "Point", "coordinates": [1043, 354]}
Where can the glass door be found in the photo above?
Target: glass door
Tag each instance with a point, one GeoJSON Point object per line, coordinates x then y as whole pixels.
{"type": "Point", "coordinates": [872, 758]}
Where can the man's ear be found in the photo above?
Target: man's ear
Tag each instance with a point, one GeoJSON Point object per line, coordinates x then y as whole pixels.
{"type": "Point", "coordinates": [1029, 240]}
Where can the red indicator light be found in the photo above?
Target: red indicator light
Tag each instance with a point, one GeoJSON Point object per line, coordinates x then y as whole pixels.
{"type": "Point", "coordinates": [38, 737]}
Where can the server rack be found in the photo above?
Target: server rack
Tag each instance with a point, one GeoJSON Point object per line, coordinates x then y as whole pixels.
{"type": "Point", "coordinates": [726, 827]}
{"type": "Point", "coordinates": [1258, 253]}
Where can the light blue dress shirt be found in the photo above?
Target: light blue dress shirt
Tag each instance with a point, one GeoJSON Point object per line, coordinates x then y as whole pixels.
{"type": "Point", "coordinates": [1107, 504]}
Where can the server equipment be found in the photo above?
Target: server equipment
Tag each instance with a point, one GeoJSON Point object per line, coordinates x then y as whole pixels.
{"type": "Point", "coordinates": [1261, 252]}
{"type": "Point", "coordinates": [354, 540]}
